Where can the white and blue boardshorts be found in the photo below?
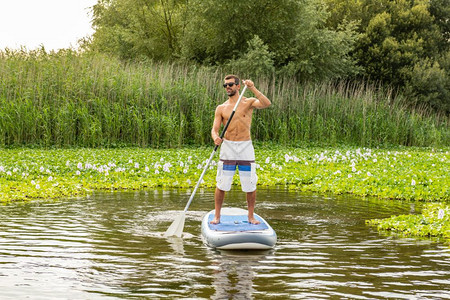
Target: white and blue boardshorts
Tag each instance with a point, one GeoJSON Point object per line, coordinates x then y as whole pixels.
{"type": "Point", "coordinates": [239, 154]}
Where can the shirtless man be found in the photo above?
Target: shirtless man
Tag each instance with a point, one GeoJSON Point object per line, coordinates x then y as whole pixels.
{"type": "Point", "coordinates": [237, 149]}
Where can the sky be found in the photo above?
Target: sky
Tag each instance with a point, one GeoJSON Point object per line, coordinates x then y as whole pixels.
{"type": "Point", "coordinates": [55, 24]}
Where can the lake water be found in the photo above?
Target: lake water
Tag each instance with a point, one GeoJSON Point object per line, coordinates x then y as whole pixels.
{"type": "Point", "coordinates": [111, 246]}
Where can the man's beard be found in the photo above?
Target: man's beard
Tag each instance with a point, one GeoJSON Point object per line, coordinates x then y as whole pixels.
{"type": "Point", "coordinates": [231, 93]}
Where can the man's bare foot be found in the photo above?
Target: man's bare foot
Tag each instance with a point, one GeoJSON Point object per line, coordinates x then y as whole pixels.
{"type": "Point", "coordinates": [253, 221]}
{"type": "Point", "coordinates": [215, 221]}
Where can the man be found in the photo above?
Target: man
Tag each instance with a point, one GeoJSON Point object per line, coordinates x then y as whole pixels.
{"type": "Point", "coordinates": [237, 149]}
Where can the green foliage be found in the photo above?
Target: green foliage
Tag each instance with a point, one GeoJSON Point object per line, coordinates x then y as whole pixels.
{"type": "Point", "coordinates": [139, 29]}
{"type": "Point", "coordinates": [429, 83]}
{"type": "Point", "coordinates": [403, 43]}
{"type": "Point", "coordinates": [293, 31]}
{"type": "Point", "coordinates": [401, 173]}
{"type": "Point", "coordinates": [291, 35]}
{"type": "Point", "coordinates": [433, 221]}
{"type": "Point", "coordinates": [68, 99]}
{"type": "Point", "coordinates": [256, 62]}
{"type": "Point", "coordinates": [65, 99]}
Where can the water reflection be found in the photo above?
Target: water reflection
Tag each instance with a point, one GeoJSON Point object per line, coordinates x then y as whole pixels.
{"type": "Point", "coordinates": [176, 243]}
{"type": "Point", "coordinates": [233, 278]}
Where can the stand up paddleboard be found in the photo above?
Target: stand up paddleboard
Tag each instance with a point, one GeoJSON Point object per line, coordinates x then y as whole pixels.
{"type": "Point", "coordinates": [234, 232]}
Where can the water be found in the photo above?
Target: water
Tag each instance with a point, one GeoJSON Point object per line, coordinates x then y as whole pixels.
{"type": "Point", "coordinates": [110, 246]}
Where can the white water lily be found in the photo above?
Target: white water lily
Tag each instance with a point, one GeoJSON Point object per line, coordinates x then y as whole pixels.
{"type": "Point", "coordinates": [166, 167]}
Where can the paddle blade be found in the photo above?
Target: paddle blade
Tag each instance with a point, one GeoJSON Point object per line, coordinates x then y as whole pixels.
{"type": "Point", "coordinates": [176, 228]}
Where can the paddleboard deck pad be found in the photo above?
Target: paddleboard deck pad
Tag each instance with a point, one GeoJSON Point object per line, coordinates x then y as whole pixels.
{"type": "Point", "coordinates": [235, 232]}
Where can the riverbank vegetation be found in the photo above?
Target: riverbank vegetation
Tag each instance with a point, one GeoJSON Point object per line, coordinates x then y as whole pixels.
{"type": "Point", "coordinates": [403, 173]}
{"type": "Point", "coordinates": [70, 99]}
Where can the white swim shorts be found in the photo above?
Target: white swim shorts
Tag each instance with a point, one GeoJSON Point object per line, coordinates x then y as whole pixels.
{"type": "Point", "coordinates": [242, 155]}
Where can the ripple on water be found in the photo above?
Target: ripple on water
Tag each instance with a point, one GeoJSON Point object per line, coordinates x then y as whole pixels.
{"type": "Point", "coordinates": [112, 246]}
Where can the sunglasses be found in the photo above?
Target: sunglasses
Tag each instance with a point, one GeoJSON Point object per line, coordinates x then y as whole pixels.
{"type": "Point", "coordinates": [230, 84]}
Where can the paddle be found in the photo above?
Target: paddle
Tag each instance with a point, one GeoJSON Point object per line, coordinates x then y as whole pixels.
{"type": "Point", "coordinates": [176, 228]}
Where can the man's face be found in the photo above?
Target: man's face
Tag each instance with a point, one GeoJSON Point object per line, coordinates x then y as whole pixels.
{"type": "Point", "coordinates": [231, 87]}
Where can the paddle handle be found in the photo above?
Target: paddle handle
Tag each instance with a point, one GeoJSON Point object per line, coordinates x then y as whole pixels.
{"type": "Point", "coordinates": [215, 149]}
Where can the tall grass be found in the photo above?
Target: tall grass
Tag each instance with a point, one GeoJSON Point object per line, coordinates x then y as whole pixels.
{"type": "Point", "coordinates": [69, 99]}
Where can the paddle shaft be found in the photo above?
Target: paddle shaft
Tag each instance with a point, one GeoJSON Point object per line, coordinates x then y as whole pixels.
{"type": "Point", "coordinates": [215, 149]}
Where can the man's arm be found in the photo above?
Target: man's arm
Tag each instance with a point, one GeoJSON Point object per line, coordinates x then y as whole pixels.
{"type": "Point", "coordinates": [216, 126]}
{"type": "Point", "coordinates": [261, 100]}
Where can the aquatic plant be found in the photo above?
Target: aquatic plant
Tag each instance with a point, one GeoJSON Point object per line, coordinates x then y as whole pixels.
{"type": "Point", "coordinates": [434, 221]}
{"type": "Point", "coordinates": [402, 173]}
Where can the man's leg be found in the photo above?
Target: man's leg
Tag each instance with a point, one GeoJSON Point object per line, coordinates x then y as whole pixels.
{"type": "Point", "coordinates": [251, 200]}
{"type": "Point", "coordinates": [219, 195]}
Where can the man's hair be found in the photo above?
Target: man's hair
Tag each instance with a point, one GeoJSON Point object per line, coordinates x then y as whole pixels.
{"type": "Point", "coordinates": [236, 79]}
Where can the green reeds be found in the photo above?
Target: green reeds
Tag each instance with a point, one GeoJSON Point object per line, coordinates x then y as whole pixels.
{"type": "Point", "coordinates": [71, 99]}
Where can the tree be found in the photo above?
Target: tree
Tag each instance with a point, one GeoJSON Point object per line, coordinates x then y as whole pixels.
{"type": "Point", "coordinates": [139, 28]}
{"type": "Point", "coordinates": [398, 39]}
{"type": "Point", "coordinates": [294, 32]}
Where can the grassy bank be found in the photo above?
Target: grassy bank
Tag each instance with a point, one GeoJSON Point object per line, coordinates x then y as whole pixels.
{"type": "Point", "coordinates": [66, 99]}
{"type": "Point", "coordinates": [400, 173]}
